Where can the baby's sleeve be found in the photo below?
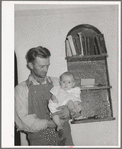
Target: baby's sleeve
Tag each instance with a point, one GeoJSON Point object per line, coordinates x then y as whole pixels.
{"type": "Point", "coordinates": [55, 90]}
{"type": "Point", "coordinates": [52, 106]}
{"type": "Point", "coordinates": [77, 92]}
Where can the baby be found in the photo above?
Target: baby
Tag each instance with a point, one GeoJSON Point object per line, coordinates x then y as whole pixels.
{"type": "Point", "coordinates": [65, 94]}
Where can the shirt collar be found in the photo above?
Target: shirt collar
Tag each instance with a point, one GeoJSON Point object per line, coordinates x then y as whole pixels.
{"type": "Point", "coordinates": [34, 82]}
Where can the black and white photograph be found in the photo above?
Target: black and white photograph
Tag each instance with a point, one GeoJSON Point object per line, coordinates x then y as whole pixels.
{"type": "Point", "coordinates": [61, 49]}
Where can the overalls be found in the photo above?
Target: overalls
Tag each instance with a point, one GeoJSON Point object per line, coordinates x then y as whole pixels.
{"type": "Point", "coordinates": [38, 98]}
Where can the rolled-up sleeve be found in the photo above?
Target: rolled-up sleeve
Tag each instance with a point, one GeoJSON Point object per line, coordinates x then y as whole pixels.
{"type": "Point", "coordinates": [24, 121]}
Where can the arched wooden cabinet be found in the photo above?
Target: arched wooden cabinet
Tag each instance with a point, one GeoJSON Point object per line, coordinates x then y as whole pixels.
{"type": "Point", "coordinates": [86, 56]}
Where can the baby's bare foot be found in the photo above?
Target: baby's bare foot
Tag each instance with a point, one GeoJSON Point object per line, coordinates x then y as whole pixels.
{"type": "Point", "coordinates": [59, 128]}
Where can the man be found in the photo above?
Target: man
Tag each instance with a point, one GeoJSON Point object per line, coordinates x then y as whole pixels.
{"type": "Point", "coordinates": [32, 115]}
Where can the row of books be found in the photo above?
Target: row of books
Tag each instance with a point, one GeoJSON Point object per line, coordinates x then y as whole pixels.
{"type": "Point", "coordinates": [82, 45]}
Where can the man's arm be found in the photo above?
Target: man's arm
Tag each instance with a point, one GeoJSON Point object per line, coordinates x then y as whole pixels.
{"type": "Point", "coordinates": [24, 121]}
{"type": "Point", "coordinates": [52, 124]}
{"type": "Point", "coordinates": [54, 99]}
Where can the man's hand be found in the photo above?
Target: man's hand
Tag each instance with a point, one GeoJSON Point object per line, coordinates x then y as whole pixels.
{"type": "Point", "coordinates": [64, 112]}
{"type": "Point", "coordinates": [62, 121]}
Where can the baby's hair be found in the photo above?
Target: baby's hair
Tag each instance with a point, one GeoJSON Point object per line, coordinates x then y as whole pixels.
{"type": "Point", "coordinates": [67, 73]}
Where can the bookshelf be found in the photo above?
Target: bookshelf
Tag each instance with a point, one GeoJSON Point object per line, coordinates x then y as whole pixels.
{"type": "Point", "coordinates": [86, 56]}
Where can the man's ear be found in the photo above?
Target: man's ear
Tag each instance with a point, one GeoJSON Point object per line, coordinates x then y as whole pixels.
{"type": "Point", "coordinates": [30, 65]}
{"type": "Point", "coordinates": [59, 82]}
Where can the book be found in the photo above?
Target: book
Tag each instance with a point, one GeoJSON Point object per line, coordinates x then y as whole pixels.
{"type": "Point", "coordinates": [102, 43]}
{"type": "Point", "coordinates": [85, 45]}
{"type": "Point", "coordinates": [68, 50]}
{"type": "Point", "coordinates": [87, 82]}
{"type": "Point", "coordinates": [81, 42]}
{"type": "Point", "coordinates": [96, 49]}
{"type": "Point", "coordinates": [78, 45]}
{"type": "Point", "coordinates": [88, 46]}
{"type": "Point", "coordinates": [91, 40]}
{"type": "Point", "coordinates": [98, 44]}
{"type": "Point", "coordinates": [71, 43]}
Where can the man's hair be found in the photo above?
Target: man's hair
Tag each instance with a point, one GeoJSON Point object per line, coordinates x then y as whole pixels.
{"type": "Point", "coordinates": [37, 51]}
{"type": "Point", "coordinates": [67, 73]}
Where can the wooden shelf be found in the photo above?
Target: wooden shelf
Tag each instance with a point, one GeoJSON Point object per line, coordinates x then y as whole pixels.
{"type": "Point", "coordinates": [89, 120]}
{"type": "Point", "coordinates": [95, 88]}
{"type": "Point", "coordinates": [86, 58]}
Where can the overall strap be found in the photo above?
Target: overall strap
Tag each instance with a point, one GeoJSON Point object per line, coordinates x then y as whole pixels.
{"type": "Point", "coordinates": [49, 80]}
{"type": "Point", "coordinates": [28, 83]}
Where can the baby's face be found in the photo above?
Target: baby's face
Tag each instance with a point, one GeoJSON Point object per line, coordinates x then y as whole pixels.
{"type": "Point", "coordinates": [67, 82]}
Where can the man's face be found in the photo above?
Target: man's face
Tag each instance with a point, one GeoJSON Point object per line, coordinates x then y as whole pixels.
{"type": "Point", "coordinates": [40, 67]}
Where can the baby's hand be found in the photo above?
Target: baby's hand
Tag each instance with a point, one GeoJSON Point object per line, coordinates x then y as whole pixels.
{"type": "Point", "coordinates": [59, 127]}
{"type": "Point", "coordinates": [73, 112]}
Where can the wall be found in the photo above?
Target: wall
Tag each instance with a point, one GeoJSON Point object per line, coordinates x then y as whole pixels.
{"type": "Point", "coordinates": [49, 28]}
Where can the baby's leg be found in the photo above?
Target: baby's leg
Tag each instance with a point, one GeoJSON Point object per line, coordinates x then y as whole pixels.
{"type": "Point", "coordinates": [78, 107]}
{"type": "Point", "coordinates": [71, 107]}
{"type": "Point", "coordinates": [56, 120]}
